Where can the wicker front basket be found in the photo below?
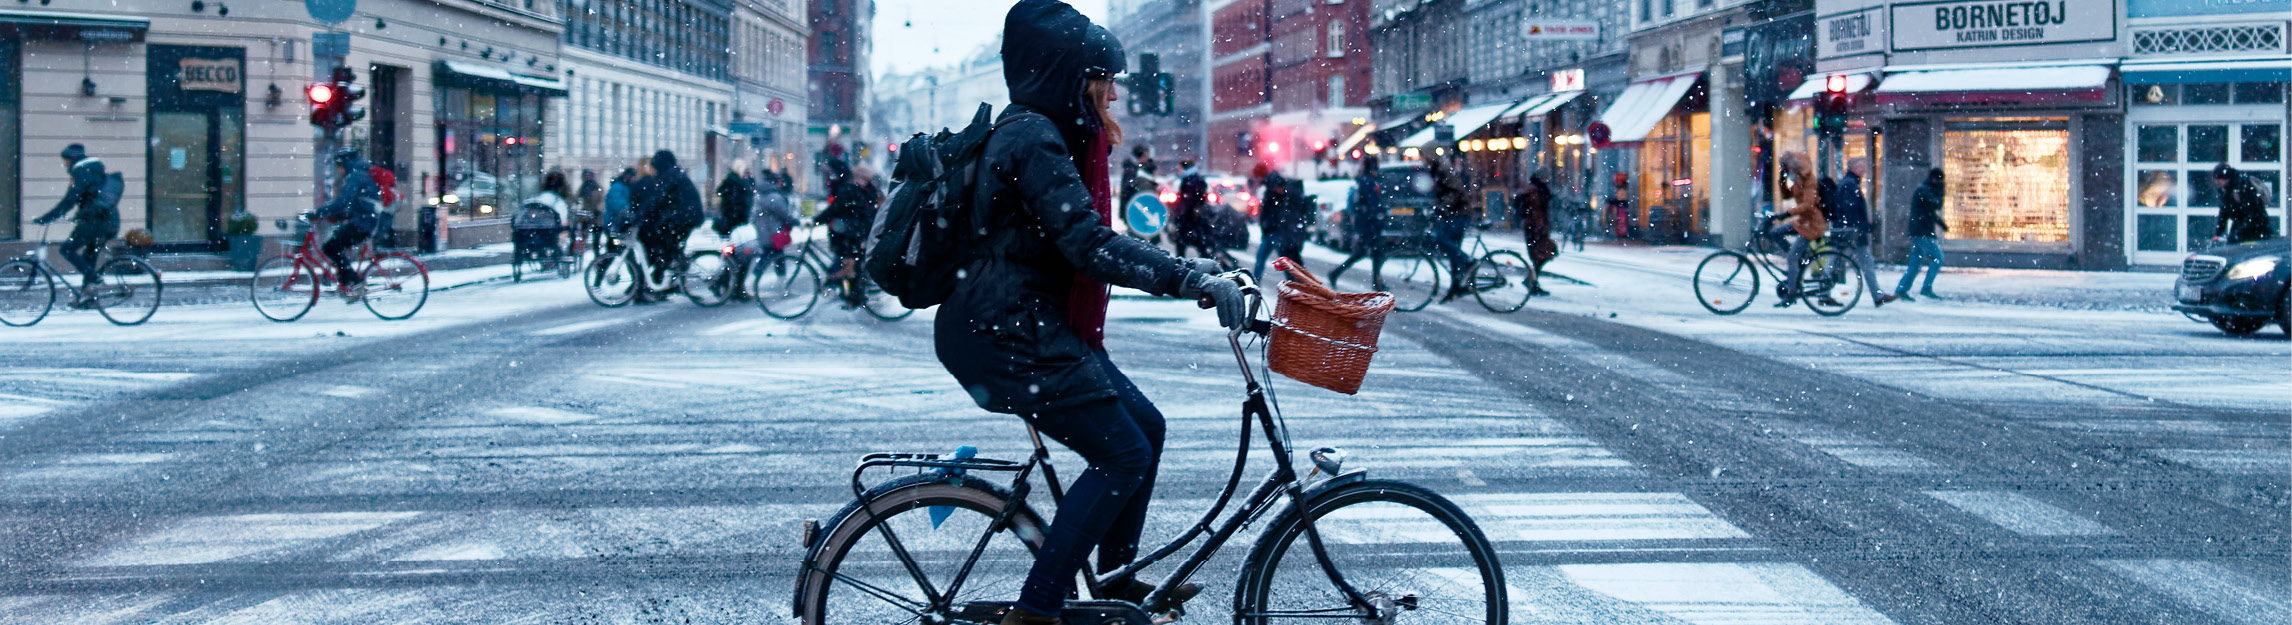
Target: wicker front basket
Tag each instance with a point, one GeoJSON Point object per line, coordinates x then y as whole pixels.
{"type": "Point", "coordinates": [1322, 337]}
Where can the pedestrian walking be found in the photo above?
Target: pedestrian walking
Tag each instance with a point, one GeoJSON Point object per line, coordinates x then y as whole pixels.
{"type": "Point", "coordinates": [735, 198]}
{"type": "Point", "coordinates": [95, 219]}
{"type": "Point", "coordinates": [1451, 216]}
{"type": "Point", "coordinates": [1619, 209]}
{"type": "Point", "coordinates": [1533, 208]}
{"type": "Point", "coordinates": [2243, 208]}
{"type": "Point", "coordinates": [590, 197]}
{"type": "Point", "coordinates": [1024, 333]}
{"type": "Point", "coordinates": [1926, 225]}
{"type": "Point", "coordinates": [1281, 228]}
{"type": "Point", "coordinates": [1849, 215]}
{"type": "Point", "coordinates": [1138, 173]}
{"type": "Point", "coordinates": [1190, 218]}
{"type": "Point", "coordinates": [1365, 218]}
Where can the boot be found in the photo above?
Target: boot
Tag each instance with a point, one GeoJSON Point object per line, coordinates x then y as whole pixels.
{"type": "Point", "coordinates": [1023, 616]}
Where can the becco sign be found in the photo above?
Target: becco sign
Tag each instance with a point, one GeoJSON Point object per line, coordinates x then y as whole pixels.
{"type": "Point", "coordinates": [1996, 23]}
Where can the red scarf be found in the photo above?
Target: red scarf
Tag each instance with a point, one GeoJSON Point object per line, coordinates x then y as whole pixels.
{"type": "Point", "coordinates": [1086, 300]}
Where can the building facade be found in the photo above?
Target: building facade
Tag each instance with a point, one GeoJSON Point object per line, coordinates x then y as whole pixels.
{"type": "Point", "coordinates": [839, 80]}
{"type": "Point", "coordinates": [2205, 84]}
{"type": "Point", "coordinates": [1683, 124]}
{"type": "Point", "coordinates": [644, 76]}
{"type": "Point", "coordinates": [1241, 91]}
{"type": "Point", "coordinates": [1321, 65]}
{"type": "Point", "coordinates": [1178, 31]}
{"type": "Point", "coordinates": [771, 103]}
{"type": "Point", "coordinates": [204, 112]}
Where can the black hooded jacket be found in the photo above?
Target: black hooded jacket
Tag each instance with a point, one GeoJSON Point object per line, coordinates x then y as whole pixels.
{"type": "Point", "coordinates": [672, 202]}
{"type": "Point", "coordinates": [1004, 333]}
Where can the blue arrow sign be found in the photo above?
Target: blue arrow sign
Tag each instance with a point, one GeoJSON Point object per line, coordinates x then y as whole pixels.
{"type": "Point", "coordinates": [330, 11]}
{"type": "Point", "coordinates": [1146, 214]}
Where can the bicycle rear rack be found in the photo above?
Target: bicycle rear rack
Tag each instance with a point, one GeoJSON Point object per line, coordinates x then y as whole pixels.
{"type": "Point", "coordinates": [921, 462]}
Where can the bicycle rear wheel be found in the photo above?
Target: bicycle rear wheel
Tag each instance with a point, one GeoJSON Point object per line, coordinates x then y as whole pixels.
{"type": "Point", "coordinates": [707, 280]}
{"type": "Point", "coordinates": [882, 305]}
{"type": "Point", "coordinates": [785, 286]}
{"type": "Point", "coordinates": [1725, 282]}
{"type": "Point", "coordinates": [1503, 281]}
{"type": "Point", "coordinates": [130, 292]}
{"type": "Point", "coordinates": [612, 279]}
{"type": "Point", "coordinates": [1395, 543]}
{"type": "Point", "coordinates": [396, 286]}
{"type": "Point", "coordinates": [284, 289]}
{"type": "Point", "coordinates": [876, 558]}
{"type": "Point", "coordinates": [1412, 278]}
{"type": "Point", "coordinates": [1831, 284]}
{"type": "Point", "coordinates": [26, 293]}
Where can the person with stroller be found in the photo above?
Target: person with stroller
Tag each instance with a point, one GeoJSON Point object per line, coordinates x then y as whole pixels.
{"type": "Point", "coordinates": [540, 221]}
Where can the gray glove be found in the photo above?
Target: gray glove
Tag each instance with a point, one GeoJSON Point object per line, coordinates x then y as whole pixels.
{"type": "Point", "coordinates": [1201, 265]}
{"type": "Point", "coordinates": [1232, 305]}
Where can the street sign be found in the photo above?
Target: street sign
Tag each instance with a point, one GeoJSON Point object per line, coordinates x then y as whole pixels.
{"type": "Point", "coordinates": [1146, 214]}
{"type": "Point", "coordinates": [1599, 133]}
{"type": "Point", "coordinates": [1411, 101]}
{"type": "Point", "coordinates": [1561, 30]}
{"type": "Point", "coordinates": [776, 107]}
{"type": "Point", "coordinates": [330, 11]}
{"type": "Point", "coordinates": [330, 45]}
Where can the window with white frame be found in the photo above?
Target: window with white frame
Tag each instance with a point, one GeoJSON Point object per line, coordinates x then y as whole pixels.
{"type": "Point", "coordinates": [1335, 41]}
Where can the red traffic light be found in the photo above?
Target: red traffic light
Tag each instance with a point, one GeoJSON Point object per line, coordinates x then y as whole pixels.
{"type": "Point", "coordinates": [321, 93]}
{"type": "Point", "coordinates": [1835, 84]}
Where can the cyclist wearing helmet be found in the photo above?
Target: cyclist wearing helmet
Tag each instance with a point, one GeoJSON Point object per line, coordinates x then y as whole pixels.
{"type": "Point", "coordinates": [353, 207]}
{"type": "Point", "coordinates": [1023, 332]}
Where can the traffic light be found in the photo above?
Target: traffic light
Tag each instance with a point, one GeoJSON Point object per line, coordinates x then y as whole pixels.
{"type": "Point", "coordinates": [322, 99]}
{"type": "Point", "coordinates": [1151, 89]}
{"type": "Point", "coordinates": [334, 103]}
{"type": "Point", "coordinates": [1832, 105]}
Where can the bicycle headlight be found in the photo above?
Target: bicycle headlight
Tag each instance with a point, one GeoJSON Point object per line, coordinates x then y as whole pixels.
{"type": "Point", "coordinates": [2252, 268]}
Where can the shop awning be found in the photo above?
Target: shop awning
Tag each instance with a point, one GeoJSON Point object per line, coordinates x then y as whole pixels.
{"type": "Point", "coordinates": [487, 76]}
{"type": "Point", "coordinates": [1466, 121]}
{"type": "Point", "coordinates": [1354, 140]}
{"type": "Point", "coordinates": [91, 27]}
{"type": "Point", "coordinates": [1542, 105]}
{"type": "Point", "coordinates": [2088, 83]}
{"type": "Point", "coordinates": [1644, 104]}
{"type": "Point", "coordinates": [1855, 83]}
{"type": "Point", "coordinates": [2173, 72]}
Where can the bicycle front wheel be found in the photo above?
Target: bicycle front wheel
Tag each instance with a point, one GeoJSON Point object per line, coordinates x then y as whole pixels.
{"type": "Point", "coordinates": [129, 293]}
{"type": "Point", "coordinates": [707, 280]}
{"type": "Point", "coordinates": [1413, 279]}
{"type": "Point", "coordinates": [1503, 281]}
{"type": "Point", "coordinates": [396, 286]}
{"type": "Point", "coordinates": [879, 559]}
{"type": "Point", "coordinates": [1400, 547]}
{"type": "Point", "coordinates": [612, 279]}
{"type": "Point", "coordinates": [785, 286]}
{"type": "Point", "coordinates": [1725, 282]}
{"type": "Point", "coordinates": [26, 293]}
{"type": "Point", "coordinates": [1831, 284]}
{"type": "Point", "coordinates": [283, 289]}
{"type": "Point", "coordinates": [882, 305]}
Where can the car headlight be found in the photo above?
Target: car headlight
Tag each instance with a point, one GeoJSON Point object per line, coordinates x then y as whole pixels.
{"type": "Point", "coordinates": [2252, 268]}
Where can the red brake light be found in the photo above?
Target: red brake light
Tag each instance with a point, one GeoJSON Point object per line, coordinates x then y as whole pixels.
{"type": "Point", "coordinates": [727, 251]}
{"type": "Point", "coordinates": [1169, 197]}
{"type": "Point", "coordinates": [1214, 198]}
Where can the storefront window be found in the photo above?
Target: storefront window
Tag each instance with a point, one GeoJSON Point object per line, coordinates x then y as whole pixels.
{"type": "Point", "coordinates": [2159, 188]}
{"type": "Point", "coordinates": [2262, 143]}
{"type": "Point", "coordinates": [2009, 180]}
{"type": "Point", "coordinates": [2175, 201]}
{"type": "Point", "coordinates": [2259, 93]}
{"type": "Point", "coordinates": [2159, 144]}
{"type": "Point", "coordinates": [490, 145]}
{"type": "Point", "coordinates": [2205, 93]}
{"type": "Point", "coordinates": [2208, 144]}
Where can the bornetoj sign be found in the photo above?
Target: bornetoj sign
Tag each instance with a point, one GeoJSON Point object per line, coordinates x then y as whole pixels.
{"type": "Point", "coordinates": [1995, 23]}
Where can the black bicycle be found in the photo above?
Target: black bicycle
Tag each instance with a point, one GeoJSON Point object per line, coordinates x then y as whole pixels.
{"type": "Point", "coordinates": [1830, 282]}
{"type": "Point", "coordinates": [127, 294]}
{"type": "Point", "coordinates": [944, 544]}
{"type": "Point", "coordinates": [1502, 280]}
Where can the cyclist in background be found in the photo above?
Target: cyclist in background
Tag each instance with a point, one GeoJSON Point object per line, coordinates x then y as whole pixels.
{"type": "Point", "coordinates": [1804, 216]}
{"type": "Point", "coordinates": [353, 207]}
{"type": "Point", "coordinates": [1451, 216]}
{"type": "Point", "coordinates": [92, 226]}
{"type": "Point", "coordinates": [666, 210]}
{"type": "Point", "coordinates": [1024, 334]}
{"type": "Point", "coordinates": [850, 212]}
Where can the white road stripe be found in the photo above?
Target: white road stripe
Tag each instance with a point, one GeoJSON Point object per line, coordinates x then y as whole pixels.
{"type": "Point", "coordinates": [2020, 513]}
{"type": "Point", "coordinates": [582, 326]}
{"type": "Point", "coordinates": [2211, 587]}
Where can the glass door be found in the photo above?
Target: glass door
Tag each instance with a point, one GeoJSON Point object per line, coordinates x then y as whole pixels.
{"type": "Point", "coordinates": [2176, 206]}
{"type": "Point", "coordinates": [183, 197]}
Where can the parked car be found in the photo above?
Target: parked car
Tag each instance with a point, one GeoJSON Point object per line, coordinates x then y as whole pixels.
{"type": "Point", "coordinates": [1332, 199]}
{"type": "Point", "coordinates": [1235, 192]}
{"type": "Point", "coordinates": [2239, 288]}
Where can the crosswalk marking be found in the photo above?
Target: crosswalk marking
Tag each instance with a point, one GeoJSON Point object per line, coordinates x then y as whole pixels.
{"type": "Point", "coordinates": [580, 326]}
{"type": "Point", "coordinates": [1727, 593]}
{"type": "Point", "coordinates": [2022, 514]}
{"type": "Point", "coordinates": [2233, 461]}
{"type": "Point", "coordinates": [2211, 587]}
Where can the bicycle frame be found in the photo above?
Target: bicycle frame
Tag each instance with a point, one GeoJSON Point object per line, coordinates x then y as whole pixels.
{"type": "Point", "coordinates": [1282, 480]}
{"type": "Point", "coordinates": [307, 252]}
{"type": "Point", "coordinates": [39, 257]}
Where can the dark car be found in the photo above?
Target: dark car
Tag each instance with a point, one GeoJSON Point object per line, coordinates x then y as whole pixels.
{"type": "Point", "coordinates": [2239, 288]}
{"type": "Point", "coordinates": [1408, 199]}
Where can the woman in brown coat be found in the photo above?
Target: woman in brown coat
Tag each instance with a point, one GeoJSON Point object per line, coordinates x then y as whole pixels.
{"type": "Point", "coordinates": [1805, 217]}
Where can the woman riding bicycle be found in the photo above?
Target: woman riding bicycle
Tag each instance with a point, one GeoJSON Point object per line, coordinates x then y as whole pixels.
{"type": "Point", "coordinates": [1024, 331]}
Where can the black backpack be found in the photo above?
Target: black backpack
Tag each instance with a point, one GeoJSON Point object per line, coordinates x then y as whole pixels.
{"type": "Point", "coordinates": [920, 241]}
{"type": "Point", "coordinates": [107, 194]}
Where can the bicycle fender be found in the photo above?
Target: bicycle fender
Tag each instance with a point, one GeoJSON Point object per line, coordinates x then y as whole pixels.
{"type": "Point", "coordinates": [850, 511]}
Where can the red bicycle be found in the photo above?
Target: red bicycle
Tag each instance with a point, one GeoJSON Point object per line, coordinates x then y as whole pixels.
{"type": "Point", "coordinates": [287, 286]}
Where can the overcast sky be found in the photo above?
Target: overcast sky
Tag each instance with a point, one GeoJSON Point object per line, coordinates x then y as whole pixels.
{"type": "Point", "coordinates": [917, 34]}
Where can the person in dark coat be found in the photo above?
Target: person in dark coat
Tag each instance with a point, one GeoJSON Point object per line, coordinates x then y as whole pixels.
{"type": "Point", "coordinates": [1137, 173]}
{"type": "Point", "coordinates": [1190, 218]}
{"type": "Point", "coordinates": [1365, 218]}
{"type": "Point", "coordinates": [93, 224]}
{"type": "Point", "coordinates": [353, 207]}
{"type": "Point", "coordinates": [1451, 216]}
{"type": "Point", "coordinates": [1534, 206]}
{"type": "Point", "coordinates": [667, 211]}
{"type": "Point", "coordinates": [850, 213]}
{"type": "Point", "coordinates": [735, 197]}
{"type": "Point", "coordinates": [2243, 208]}
{"type": "Point", "coordinates": [1023, 333]}
{"type": "Point", "coordinates": [591, 195]}
{"type": "Point", "coordinates": [1924, 229]}
{"type": "Point", "coordinates": [1849, 213]}
{"type": "Point", "coordinates": [1280, 229]}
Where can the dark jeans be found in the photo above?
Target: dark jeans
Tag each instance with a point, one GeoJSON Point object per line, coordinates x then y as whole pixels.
{"type": "Point", "coordinates": [347, 235]}
{"type": "Point", "coordinates": [664, 247]}
{"type": "Point", "coordinates": [1121, 438]}
{"type": "Point", "coordinates": [1448, 236]}
{"type": "Point", "coordinates": [1289, 245]}
{"type": "Point", "coordinates": [1925, 252]}
{"type": "Point", "coordinates": [82, 248]}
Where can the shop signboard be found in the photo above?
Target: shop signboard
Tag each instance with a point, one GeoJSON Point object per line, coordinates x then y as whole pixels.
{"type": "Point", "coordinates": [1998, 23]}
{"type": "Point", "coordinates": [197, 74]}
{"type": "Point", "coordinates": [1412, 101]}
{"type": "Point", "coordinates": [1561, 30]}
{"type": "Point", "coordinates": [1567, 80]}
{"type": "Point", "coordinates": [1849, 34]}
